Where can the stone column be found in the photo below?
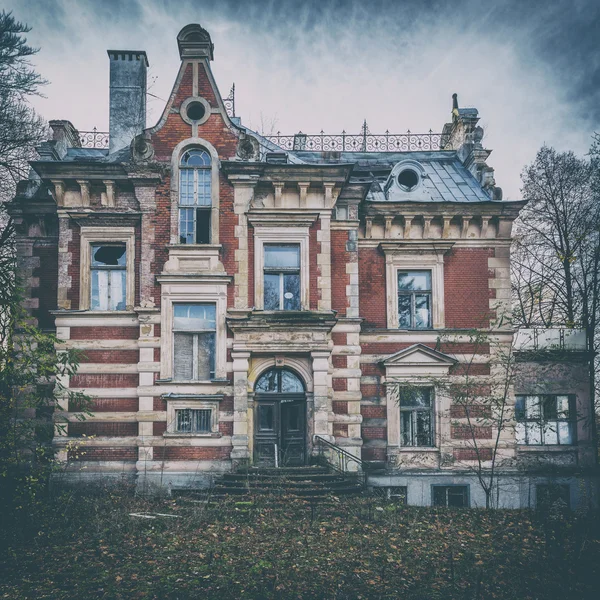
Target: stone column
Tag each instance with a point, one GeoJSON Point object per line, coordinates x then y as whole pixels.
{"type": "Point", "coordinates": [322, 402]}
{"type": "Point", "coordinates": [241, 364]}
{"type": "Point", "coordinates": [146, 196]}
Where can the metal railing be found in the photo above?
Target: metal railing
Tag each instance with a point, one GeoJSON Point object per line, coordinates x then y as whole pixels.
{"type": "Point", "coordinates": [339, 460]}
{"type": "Point", "coordinates": [365, 141]}
{"type": "Point", "coordinates": [94, 139]}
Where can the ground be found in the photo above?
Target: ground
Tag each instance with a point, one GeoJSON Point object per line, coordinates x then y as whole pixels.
{"type": "Point", "coordinates": [92, 547]}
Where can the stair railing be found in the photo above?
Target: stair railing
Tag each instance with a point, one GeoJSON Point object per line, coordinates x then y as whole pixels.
{"type": "Point", "coordinates": [339, 459]}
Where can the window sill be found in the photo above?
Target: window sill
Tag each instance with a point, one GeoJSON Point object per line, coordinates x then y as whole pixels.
{"type": "Point", "coordinates": [418, 449]}
{"type": "Point", "coordinates": [195, 246]}
{"type": "Point", "coordinates": [547, 448]}
{"type": "Point", "coordinates": [177, 434]}
{"type": "Point", "coordinates": [192, 381]}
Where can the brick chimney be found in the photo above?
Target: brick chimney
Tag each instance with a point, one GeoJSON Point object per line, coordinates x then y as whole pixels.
{"type": "Point", "coordinates": [127, 116]}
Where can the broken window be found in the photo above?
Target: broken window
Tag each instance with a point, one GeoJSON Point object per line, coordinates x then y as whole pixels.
{"type": "Point", "coordinates": [195, 197]}
{"type": "Point", "coordinates": [282, 277]}
{"type": "Point", "coordinates": [545, 420]}
{"type": "Point", "coordinates": [108, 277]}
{"type": "Point", "coordinates": [194, 332]}
{"type": "Point", "coordinates": [451, 496]}
{"type": "Point", "coordinates": [414, 299]}
{"type": "Point", "coordinates": [416, 416]}
{"type": "Point", "coordinates": [191, 420]}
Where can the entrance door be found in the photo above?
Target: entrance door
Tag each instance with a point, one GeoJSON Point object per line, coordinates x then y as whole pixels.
{"type": "Point", "coordinates": [280, 419]}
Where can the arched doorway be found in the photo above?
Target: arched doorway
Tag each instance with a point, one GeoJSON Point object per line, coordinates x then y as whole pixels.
{"type": "Point", "coordinates": [280, 419]}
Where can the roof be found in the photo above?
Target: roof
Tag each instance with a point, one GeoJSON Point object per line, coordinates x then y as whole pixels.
{"type": "Point", "coordinates": [444, 177]}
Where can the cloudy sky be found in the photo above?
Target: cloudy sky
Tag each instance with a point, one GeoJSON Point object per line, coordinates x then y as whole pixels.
{"type": "Point", "coordinates": [531, 67]}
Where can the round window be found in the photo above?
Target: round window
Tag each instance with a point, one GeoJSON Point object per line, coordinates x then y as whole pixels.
{"type": "Point", "coordinates": [195, 111]}
{"type": "Point", "coordinates": [408, 179]}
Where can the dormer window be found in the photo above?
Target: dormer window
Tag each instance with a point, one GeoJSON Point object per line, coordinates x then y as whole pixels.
{"type": "Point", "coordinates": [408, 179]}
{"type": "Point", "coordinates": [195, 197]}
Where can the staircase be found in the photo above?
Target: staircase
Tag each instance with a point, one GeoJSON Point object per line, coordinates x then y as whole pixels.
{"type": "Point", "coordinates": [308, 483]}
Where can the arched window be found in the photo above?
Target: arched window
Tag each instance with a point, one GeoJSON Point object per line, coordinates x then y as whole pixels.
{"type": "Point", "coordinates": [279, 381]}
{"type": "Point", "coordinates": [195, 197]}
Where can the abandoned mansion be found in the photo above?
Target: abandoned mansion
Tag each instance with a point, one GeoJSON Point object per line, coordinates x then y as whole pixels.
{"type": "Point", "coordinates": [249, 299]}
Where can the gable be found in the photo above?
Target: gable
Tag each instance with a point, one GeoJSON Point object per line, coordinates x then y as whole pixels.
{"type": "Point", "coordinates": [417, 361]}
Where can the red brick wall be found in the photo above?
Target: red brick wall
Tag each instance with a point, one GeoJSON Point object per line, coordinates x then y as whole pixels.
{"type": "Point", "coordinates": [314, 247]}
{"type": "Point", "coordinates": [74, 248]}
{"type": "Point", "coordinates": [339, 407]}
{"type": "Point", "coordinates": [113, 405]}
{"type": "Point", "coordinates": [373, 412]}
{"type": "Point", "coordinates": [372, 292]}
{"type": "Point", "coordinates": [464, 432]}
{"type": "Point", "coordinates": [459, 411]}
{"type": "Point", "coordinates": [128, 454]}
{"type": "Point", "coordinates": [339, 278]}
{"type": "Point", "coordinates": [110, 356]}
{"type": "Point", "coordinates": [339, 361]}
{"type": "Point", "coordinates": [104, 380]}
{"type": "Point", "coordinates": [340, 430]}
{"type": "Point", "coordinates": [466, 287]}
{"type": "Point", "coordinates": [105, 333]}
{"type": "Point", "coordinates": [471, 453]}
{"type": "Point", "coordinates": [191, 453]}
{"type": "Point", "coordinates": [103, 429]}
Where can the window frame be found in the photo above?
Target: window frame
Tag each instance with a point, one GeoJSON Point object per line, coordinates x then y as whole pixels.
{"type": "Point", "coordinates": [178, 152]}
{"type": "Point", "coordinates": [399, 258]}
{"type": "Point", "coordinates": [208, 402]}
{"type": "Point", "coordinates": [196, 207]}
{"type": "Point", "coordinates": [281, 272]}
{"type": "Point", "coordinates": [90, 236]}
{"type": "Point", "coordinates": [521, 418]}
{"type": "Point", "coordinates": [412, 294]}
{"type": "Point", "coordinates": [281, 236]}
{"type": "Point", "coordinates": [195, 339]}
{"type": "Point", "coordinates": [447, 486]}
{"type": "Point", "coordinates": [414, 410]}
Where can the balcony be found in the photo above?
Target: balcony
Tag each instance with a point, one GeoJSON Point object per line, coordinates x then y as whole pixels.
{"type": "Point", "coordinates": [572, 340]}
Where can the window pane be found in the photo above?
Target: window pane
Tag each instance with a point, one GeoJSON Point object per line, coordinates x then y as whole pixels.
{"type": "Point", "coordinates": [194, 317]}
{"type": "Point", "coordinates": [439, 496]}
{"type": "Point", "coordinates": [414, 280]}
{"type": "Point", "coordinates": [291, 291]}
{"type": "Point", "coordinates": [286, 257]}
{"type": "Point", "coordinates": [532, 407]}
{"type": "Point", "coordinates": [99, 292]}
{"type": "Point", "coordinates": [183, 356]}
{"type": "Point", "coordinates": [290, 383]}
{"type": "Point", "coordinates": [203, 180]}
{"type": "Point", "coordinates": [203, 217]}
{"type": "Point", "coordinates": [201, 420]}
{"type": "Point", "coordinates": [520, 408]}
{"type": "Point", "coordinates": [112, 255]}
{"type": "Point", "coordinates": [534, 433]}
{"type": "Point", "coordinates": [416, 396]}
{"type": "Point", "coordinates": [268, 382]}
{"type": "Point", "coordinates": [186, 187]}
{"type": "Point", "coordinates": [423, 428]}
{"type": "Point", "coordinates": [186, 225]}
{"type": "Point", "coordinates": [404, 320]}
{"type": "Point", "coordinates": [565, 432]}
{"type": "Point", "coordinates": [550, 430]}
{"type": "Point", "coordinates": [406, 437]}
{"type": "Point", "coordinates": [422, 310]}
{"type": "Point", "coordinates": [183, 420]}
{"type": "Point", "coordinates": [271, 291]}
{"type": "Point", "coordinates": [206, 356]}
{"type": "Point", "coordinates": [549, 407]}
{"type": "Point", "coordinates": [265, 417]}
{"type": "Point", "coordinates": [520, 433]}
{"type": "Point", "coordinates": [562, 407]}
{"type": "Point", "coordinates": [196, 157]}
{"type": "Point", "coordinates": [457, 496]}
{"type": "Point", "coordinates": [117, 290]}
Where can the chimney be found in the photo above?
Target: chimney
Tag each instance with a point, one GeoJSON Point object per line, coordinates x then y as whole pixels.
{"type": "Point", "coordinates": [127, 116]}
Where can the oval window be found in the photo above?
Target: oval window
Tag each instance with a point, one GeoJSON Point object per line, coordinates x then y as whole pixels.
{"type": "Point", "coordinates": [408, 179]}
{"type": "Point", "coordinates": [195, 111]}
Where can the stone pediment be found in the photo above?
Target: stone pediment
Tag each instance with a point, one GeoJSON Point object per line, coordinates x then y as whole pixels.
{"type": "Point", "coordinates": [417, 360]}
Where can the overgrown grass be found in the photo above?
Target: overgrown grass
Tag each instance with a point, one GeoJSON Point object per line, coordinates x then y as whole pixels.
{"type": "Point", "coordinates": [90, 547]}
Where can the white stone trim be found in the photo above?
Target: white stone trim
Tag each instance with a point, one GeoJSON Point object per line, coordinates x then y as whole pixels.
{"type": "Point", "coordinates": [195, 142]}
{"type": "Point", "coordinates": [281, 235]}
{"type": "Point", "coordinates": [429, 261]}
{"type": "Point", "coordinates": [92, 235]}
{"type": "Point", "coordinates": [190, 292]}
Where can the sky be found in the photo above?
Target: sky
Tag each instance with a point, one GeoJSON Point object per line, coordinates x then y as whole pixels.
{"type": "Point", "coordinates": [531, 67]}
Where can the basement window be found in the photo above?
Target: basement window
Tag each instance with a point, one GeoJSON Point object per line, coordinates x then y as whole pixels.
{"type": "Point", "coordinates": [451, 496]}
{"type": "Point", "coordinates": [108, 277]}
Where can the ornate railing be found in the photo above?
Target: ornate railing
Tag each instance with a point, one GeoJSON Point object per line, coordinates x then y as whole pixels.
{"type": "Point", "coordinates": [365, 141]}
{"type": "Point", "coordinates": [339, 460]}
{"type": "Point", "coordinates": [94, 139]}
{"type": "Point", "coordinates": [229, 102]}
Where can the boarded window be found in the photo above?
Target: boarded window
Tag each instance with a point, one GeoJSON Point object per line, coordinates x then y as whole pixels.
{"type": "Point", "coordinates": [191, 420]}
{"type": "Point", "coordinates": [108, 277]}
{"type": "Point", "coordinates": [282, 277]}
{"type": "Point", "coordinates": [194, 336]}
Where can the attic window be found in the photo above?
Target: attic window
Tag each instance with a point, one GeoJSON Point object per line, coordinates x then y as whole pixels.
{"type": "Point", "coordinates": [408, 180]}
{"type": "Point", "coordinates": [195, 111]}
